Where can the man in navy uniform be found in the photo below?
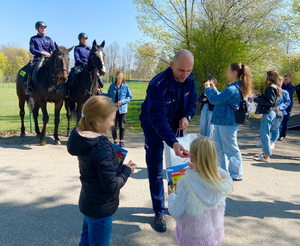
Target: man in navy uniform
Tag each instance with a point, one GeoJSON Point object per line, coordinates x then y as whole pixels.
{"type": "Point", "coordinates": [290, 88]}
{"type": "Point", "coordinates": [40, 46]}
{"type": "Point", "coordinates": [167, 110]}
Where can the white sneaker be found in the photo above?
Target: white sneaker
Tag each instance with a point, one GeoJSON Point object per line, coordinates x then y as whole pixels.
{"type": "Point", "coordinates": [262, 159]}
{"type": "Point", "coordinates": [272, 145]}
{"type": "Point", "coordinates": [259, 155]}
{"type": "Point", "coordinates": [258, 144]}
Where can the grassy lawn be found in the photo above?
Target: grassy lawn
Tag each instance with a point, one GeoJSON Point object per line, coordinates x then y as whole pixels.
{"type": "Point", "coordinates": [9, 110]}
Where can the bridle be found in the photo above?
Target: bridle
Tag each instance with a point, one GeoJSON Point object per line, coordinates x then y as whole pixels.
{"type": "Point", "coordinates": [93, 72]}
{"type": "Point", "coordinates": [59, 69]}
{"type": "Point", "coordinates": [97, 54]}
{"type": "Point", "coordinates": [54, 79]}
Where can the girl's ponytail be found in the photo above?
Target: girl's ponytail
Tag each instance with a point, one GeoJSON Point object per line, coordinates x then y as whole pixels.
{"type": "Point", "coordinates": [244, 74]}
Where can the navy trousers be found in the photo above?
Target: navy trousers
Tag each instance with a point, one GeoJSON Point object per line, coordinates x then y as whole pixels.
{"type": "Point", "coordinates": [154, 158]}
{"type": "Point", "coordinates": [284, 125]}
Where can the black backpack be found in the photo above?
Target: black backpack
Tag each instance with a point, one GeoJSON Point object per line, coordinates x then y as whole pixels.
{"type": "Point", "coordinates": [242, 113]}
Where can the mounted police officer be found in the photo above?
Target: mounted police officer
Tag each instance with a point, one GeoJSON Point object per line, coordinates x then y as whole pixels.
{"type": "Point", "coordinates": [40, 46]}
{"type": "Point", "coordinates": [81, 56]}
{"type": "Point", "coordinates": [82, 51]}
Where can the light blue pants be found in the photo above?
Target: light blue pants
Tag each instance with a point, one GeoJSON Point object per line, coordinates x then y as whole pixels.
{"type": "Point", "coordinates": [266, 124]}
{"type": "Point", "coordinates": [206, 128]}
{"type": "Point", "coordinates": [229, 155]}
{"type": "Point", "coordinates": [275, 130]}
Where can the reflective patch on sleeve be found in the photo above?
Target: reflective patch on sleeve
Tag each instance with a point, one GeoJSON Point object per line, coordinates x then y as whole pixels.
{"type": "Point", "coordinates": [22, 73]}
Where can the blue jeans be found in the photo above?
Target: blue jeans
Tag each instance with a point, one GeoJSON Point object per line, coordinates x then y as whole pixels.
{"type": "Point", "coordinates": [96, 231]}
{"type": "Point", "coordinates": [266, 124]}
{"type": "Point", "coordinates": [275, 129]}
{"type": "Point", "coordinates": [206, 128]}
{"type": "Point", "coordinates": [229, 155]}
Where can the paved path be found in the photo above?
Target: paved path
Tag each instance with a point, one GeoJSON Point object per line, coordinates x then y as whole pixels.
{"type": "Point", "coordinates": [40, 187]}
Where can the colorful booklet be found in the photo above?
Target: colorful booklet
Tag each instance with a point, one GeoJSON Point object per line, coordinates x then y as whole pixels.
{"type": "Point", "coordinates": [175, 173]}
{"type": "Point", "coordinates": [121, 154]}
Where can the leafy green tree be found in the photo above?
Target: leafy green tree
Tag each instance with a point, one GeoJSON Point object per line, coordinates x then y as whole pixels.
{"type": "Point", "coordinates": [16, 58]}
{"type": "Point", "coordinates": [3, 61]}
{"type": "Point", "coordinates": [3, 64]}
{"type": "Point", "coordinates": [218, 32]}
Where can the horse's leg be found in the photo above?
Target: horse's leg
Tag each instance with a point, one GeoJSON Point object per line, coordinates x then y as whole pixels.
{"type": "Point", "coordinates": [69, 115]}
{"type": "Point", "coordinates": [22, 114]}
{"type": "Point", "coordinates": [43, 105]}
{"type": "Point", "coordinates": [35, 113]}
{"type": "Point", "coordinates": [79, 111]}
{"type": "Point", "coordinates": [57, 109]}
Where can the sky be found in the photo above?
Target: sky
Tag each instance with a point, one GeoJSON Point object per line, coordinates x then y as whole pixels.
{"type": "Point", "coordinates": [109, 20]}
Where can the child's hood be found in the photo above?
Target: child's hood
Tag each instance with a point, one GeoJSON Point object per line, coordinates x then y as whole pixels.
{"type": "Point", "coordinates": [80, 142]}
{"type": "Point", "coordinates": [210, 194]}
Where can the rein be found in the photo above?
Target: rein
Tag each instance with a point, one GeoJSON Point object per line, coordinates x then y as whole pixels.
{"type": "Point", "coordinates": [53, 78]}
{"type": "Point", "coordinates": [93, 77]}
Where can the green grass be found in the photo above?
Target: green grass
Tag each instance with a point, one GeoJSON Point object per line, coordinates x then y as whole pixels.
{"type": "Point", "coordinates": [9, 110]}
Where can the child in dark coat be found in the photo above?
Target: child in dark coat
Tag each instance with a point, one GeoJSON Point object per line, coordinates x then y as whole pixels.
{"type": "Point", "coordinates": [100, 175]}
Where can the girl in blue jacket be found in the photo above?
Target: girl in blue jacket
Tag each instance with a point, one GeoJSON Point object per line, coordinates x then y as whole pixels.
{"type": "Point", "coordinates": [226, 127]}
{"type": "Point", "coordinates": [120, 94]}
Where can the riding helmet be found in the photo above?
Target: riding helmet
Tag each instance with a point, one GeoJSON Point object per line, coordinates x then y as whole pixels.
{"type": "Point", "coordinates": [40, 24]}
{"type": "Point", "coordinates": [82, 35]}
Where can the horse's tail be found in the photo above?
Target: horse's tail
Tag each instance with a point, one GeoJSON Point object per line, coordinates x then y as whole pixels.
{"type": "Point", "coordinates": [30, 103]}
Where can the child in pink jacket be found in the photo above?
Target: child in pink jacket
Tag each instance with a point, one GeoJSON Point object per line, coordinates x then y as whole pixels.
{"type": "Point", "coordinates": [199, 202]}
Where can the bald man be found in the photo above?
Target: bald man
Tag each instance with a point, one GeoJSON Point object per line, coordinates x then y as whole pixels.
{"type": "Point", "coordinates": [167, 110]}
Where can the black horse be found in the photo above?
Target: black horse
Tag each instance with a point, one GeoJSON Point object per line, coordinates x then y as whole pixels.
{"type": "Point", "coordinates": [86, 83]}
{"type": "Point", "coordinates": [50, 87]}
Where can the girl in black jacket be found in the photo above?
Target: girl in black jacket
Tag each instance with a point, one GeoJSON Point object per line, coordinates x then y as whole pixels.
{"type": "Point", "coordinates": [100, 175]}
{"type": "Point", "coordinates": [267, 104]}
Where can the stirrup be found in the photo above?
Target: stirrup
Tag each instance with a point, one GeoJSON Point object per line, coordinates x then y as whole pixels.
{"type": "Point", "coordinates": [29, 90]}
{"type": "Point", "coordinates": [67, 94]}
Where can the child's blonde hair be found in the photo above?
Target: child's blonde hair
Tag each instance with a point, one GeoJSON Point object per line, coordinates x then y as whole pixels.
{"type": "Point", "coordinates": [95, 108]}
{"type": "Point", "coordinates": [204, 156]}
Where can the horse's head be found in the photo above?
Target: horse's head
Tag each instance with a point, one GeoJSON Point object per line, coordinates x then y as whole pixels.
{"type": "Point", "coordinates": [97, 57]}
{"type": "Point", "coordinates": [61, 61]}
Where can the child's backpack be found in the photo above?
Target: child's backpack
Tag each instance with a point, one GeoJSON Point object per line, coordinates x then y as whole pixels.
{"type": "Point", "coordinates": [242, 113]}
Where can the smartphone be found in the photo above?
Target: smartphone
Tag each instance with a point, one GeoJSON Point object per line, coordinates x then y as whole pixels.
{"type": "Point", "coordinates": [209, 77]}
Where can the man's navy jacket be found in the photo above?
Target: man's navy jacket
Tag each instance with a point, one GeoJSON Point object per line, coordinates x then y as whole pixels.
{"type": "Point", "coordinates": [161, 111]}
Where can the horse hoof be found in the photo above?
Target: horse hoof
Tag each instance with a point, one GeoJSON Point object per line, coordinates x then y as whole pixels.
{"type": "Point", "coordinates": [57, 142]}
{"type": "Point", "coordinates": [43, 143]}
{"type": "Point", "coordinates": [23, 134]}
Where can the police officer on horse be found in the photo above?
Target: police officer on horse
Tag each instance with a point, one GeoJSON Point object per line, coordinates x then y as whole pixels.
{"type": "Point", "coordinates": [81, 56]}
{"type": "Point", "coordinates": [41, 46]}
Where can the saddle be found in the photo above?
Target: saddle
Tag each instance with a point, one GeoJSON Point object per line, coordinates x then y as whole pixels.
{"type": "Point", "coordinates": [75, 71]}
{"type": "Point", "coordinates": [25, 72]}
{"type": "Point", "coordinates": [31, 70]}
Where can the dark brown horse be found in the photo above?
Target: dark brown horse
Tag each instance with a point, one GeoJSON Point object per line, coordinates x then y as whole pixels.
{"type": "Point", "coordinates": [86, 83]}
{"type": "Point", "coordinates": [50, 87]}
